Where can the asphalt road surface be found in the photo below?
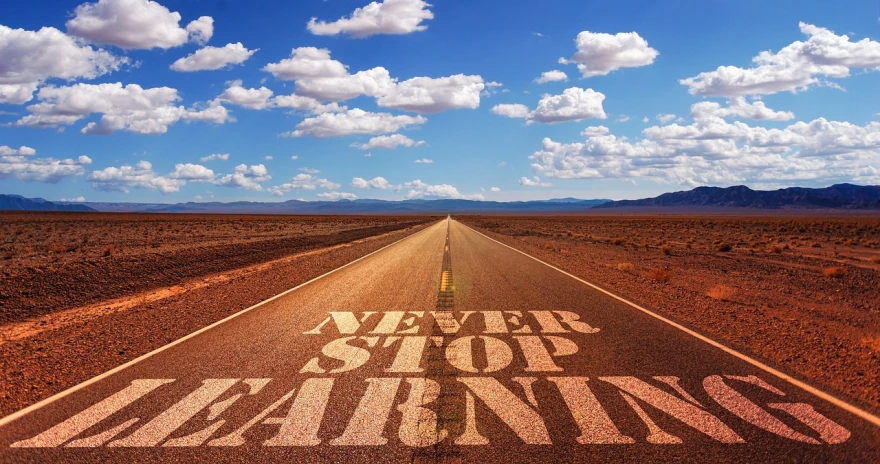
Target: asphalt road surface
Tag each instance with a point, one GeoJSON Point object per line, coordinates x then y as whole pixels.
{"type": "Point", "coordinates": [444, 347]}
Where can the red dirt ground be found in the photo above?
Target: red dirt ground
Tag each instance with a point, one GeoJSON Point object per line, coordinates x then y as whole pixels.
{"type": "Point", "coordinates": [54, 261]}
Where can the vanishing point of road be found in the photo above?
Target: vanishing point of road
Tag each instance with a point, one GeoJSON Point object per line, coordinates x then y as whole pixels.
{"type": "Point", "coordinates": [446, 346]}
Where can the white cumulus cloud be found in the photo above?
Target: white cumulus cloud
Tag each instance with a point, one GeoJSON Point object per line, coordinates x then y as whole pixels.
{"type": "Point", "coordinates": [22, 151]}
{"type": "Point", "coordinates": [305, 63]}
{"type": "Point", "coordinates": [141, 176]}
{"type": "Point", "coordinates": [432, 95]}
{"type": "Point", "coordinates": [21, 164]}
{"type": "Point", "coordinates": [574, 104]}
{"type": "Point", "coordinates": [795, 67]}
{"type": "Point", "coordinates": [380, 183]}
{"type": "Point", "coordinates": [386, 17]}
{"type": "Point", "coordinates": [333, 196]}
{"type": "Point", "coordinates": [255, 99]}
{"type": "Point", "coordinates": [136, 24]}
{"type": "Point", "coordinates": [738, 107]}
{"type": "Point", "coordinates": [419, 189]}
{"type": "Point", "coordinates": [552, 76]}
{"type": "Point", "coordinates": [599, 53]}
{"type": "Point", "coordinates": [28, 58]}
{"type": "Point", "coordinates": [533, 182]}
{"type": "Point", "coordinates": [303, 181]}
{"type": "Point", "coordinates": [713, 151]}
{"type": "Point", "coordinates": [213, 58]}
{"type": "Point", "coordinates": [373, 82]}
{"type": "Point", "coordinates": [130, 107]}
{"type": "Point", "coordinates": [191, 172]}
{"type": "Point", "coordinates": [665, 118]}
{"type": "Point", "coordinates": [354, 121]}
{"type": "Point", "coordinates": [388, 142]}
{"type": "Point", "coordinates": [201, 30]}
{"type": "Point", "coordinates": [246, 177]}
{"type": "Point", "coordinates": [512, 110]}
{"type": "Point", "coordinates": [319, 77]}
{"type": "Point", "coordinates": [215, 157]}
{"type": "Point", "coordinates": [594, 131]}
{"type": "Point", "coordinates": [301, 103]}
{"type": "Point", "coordinates": [424, 161]}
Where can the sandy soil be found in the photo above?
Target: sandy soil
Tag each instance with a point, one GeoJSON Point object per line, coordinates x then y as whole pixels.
{"type": "Point", "coordinates": [799, 292]}
{"type": "Point", "coordinates": [55, 261]}
{"type": "Point", "coordinates": [57, 348]}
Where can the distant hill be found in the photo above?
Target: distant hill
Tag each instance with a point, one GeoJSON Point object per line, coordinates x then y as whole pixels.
{"type": "Point", "coordinates": [843, 196]}
{"type": "Point", "coordinates": [357, 206]}
{"type": "Point", "coordinates": [20, 203]}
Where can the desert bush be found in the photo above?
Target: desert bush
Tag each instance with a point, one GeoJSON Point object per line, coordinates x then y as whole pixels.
{"type": "Point", "coordinates": [774, 249]}
{"type": "Point", "coordinates": [834, 271]}
{"type": "Point", "coordinates": [109, 250]}
{"type": "Point", "coordinates": [61, 248]}
{"type": "Point", "coordinates": [816, 245]}
{"type": "Point", "coordinates": [666, 250]}
{"type": "Point", "coordinates": [724, 247]}
{"type": "Point", "coordinates": [625, 267]}
{"type": "Point", "coordinates": [872, 342]}
{"type": "Point", "coordinates": [721, 292]}
{"type": "Point", "coordinates": [617, 241]}
{"type": "Point", "coordinates": [660, 274]}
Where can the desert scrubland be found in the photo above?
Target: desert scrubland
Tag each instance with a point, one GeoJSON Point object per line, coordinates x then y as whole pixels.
{"type": "Point", "coordinates": [54, 261]}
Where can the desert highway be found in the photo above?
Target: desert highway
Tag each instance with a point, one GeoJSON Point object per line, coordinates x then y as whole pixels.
{"type": "Point", "coordinates": [446, 346]}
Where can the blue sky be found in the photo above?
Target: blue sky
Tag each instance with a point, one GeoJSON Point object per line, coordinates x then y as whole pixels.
{"type": "Point", "coordinates": [656, 97]}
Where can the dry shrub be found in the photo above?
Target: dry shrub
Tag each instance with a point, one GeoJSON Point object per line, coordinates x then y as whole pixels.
{"type": "Point", "coordinates": [617, 241]}
{"type": "Point", "coordinates": [109, 250]}
{"type": "Point", "coordinates": [816, 245]}
{"type": "Point", "coordinates": [625, 267]}
{"type": "Point", "coordinates": [61, 248]}
{"type": "Point", "coordinates": [660, 274]}
{"type": "Point", "coordinates": [666, 250]}
{"type": "Point", "coordinates": [774, 249]}
{"type": "Point", "coordinates": [872, 342]}
{"type": "Point", "coordinates": [834, 271]}
{"type": "Point", "coordinates": [721, 292]}
{"type": "Point", "coordinates": [724, 247]}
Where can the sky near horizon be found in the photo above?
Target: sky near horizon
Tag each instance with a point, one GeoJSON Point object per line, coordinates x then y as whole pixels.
{"type": "Point", "coordinates": [187, 100]}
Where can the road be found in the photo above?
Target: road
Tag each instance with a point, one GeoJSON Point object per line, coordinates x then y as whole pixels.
{"type": "Point", "coordinates": [443, 347]}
